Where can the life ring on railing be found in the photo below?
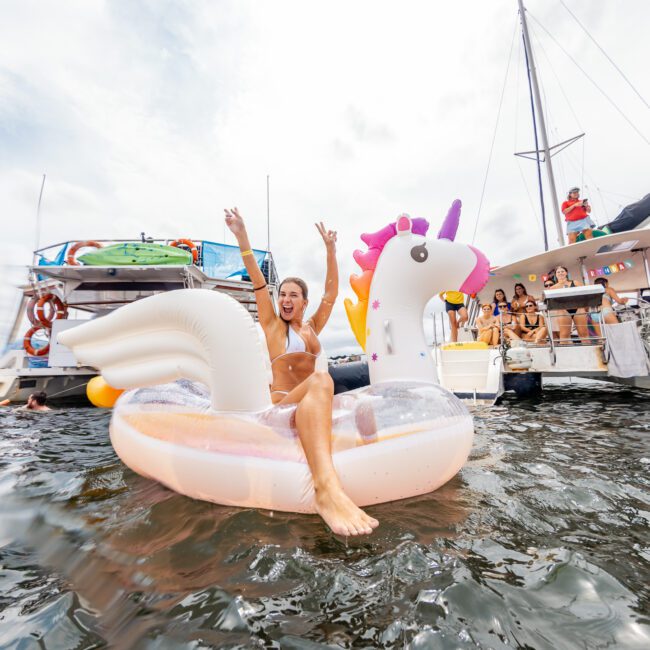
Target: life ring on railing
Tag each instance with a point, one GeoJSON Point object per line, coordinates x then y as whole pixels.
{"type": "Point", "coordinates": [190, 244]}
{"type": "Point", "coordinates": [71, 259]}
{"type": "Point", "coordinates": [59, 309]}
{"type": "Point", "coordinates": [27, 342]}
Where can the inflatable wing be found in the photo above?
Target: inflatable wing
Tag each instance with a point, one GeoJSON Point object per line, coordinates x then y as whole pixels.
{"type": "Point", "coordinates": [195, 334]}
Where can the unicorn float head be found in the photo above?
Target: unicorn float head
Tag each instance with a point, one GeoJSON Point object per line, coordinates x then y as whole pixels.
{"type": "Point", "coordinates": [401, 271]}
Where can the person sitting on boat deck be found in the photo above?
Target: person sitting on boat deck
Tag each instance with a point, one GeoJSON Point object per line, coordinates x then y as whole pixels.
{"type": "Point", "coordinates": [293, 347]}
{"type": "Point", "coordinates": [35, 402]}
{"type": "Point", "coordinates": [454, 302]}
{"type": "Point", "coordinates": [499, 296]}
{"type": "Point", "coordinates": [606, 312]}
{"type": "Point", "coordinates": [576, 213]}
{"type": "Point", "coordinates": [488, 326]}
{"type": "Point", "coordinates": [532, 324]}
{"type": "Point", "coordinates": [519, 299]}
{"type": "Point", "coordinates": [564, 317]}
{"type": "Point", "coordinates": [508, 323]}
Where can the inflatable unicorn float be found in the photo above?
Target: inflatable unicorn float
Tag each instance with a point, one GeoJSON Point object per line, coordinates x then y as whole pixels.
{"type": "Point", "coordinates": [200, 418]}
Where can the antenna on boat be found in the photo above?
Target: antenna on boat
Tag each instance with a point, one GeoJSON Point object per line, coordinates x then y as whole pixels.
{"type": "Point", "coordinates": [546, 149]}
{"type": "Point", "coordinates": [268, 216]}
{"type": "Point", "coordinates": [37, 240]}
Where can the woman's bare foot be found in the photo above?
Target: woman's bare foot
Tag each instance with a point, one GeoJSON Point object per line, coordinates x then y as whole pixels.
{"type": "Point", "coordinates": [339, 513]}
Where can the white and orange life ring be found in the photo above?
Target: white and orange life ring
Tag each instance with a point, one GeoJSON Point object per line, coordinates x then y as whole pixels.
{"type": "Point", "coordinates": [58, 310]}
{"type": "Point", "coordinates": [27, 342]}
{"type": "Point", "coordinates": [71, 258]}
{"type": "Point", "coordinates": [190, 244]}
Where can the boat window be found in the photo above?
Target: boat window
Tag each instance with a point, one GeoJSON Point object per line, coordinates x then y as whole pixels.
{"type": "Point", "coordinates": [617, 248]}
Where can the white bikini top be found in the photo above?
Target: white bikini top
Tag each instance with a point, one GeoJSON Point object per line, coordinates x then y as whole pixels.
{"type": "Point", "coordinates": [295, 343]}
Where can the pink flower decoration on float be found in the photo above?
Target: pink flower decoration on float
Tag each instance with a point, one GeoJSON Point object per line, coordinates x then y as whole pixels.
{"type": "Point", "coordinates": [374, 356]}
{"type": "Point", "coordinates": [375, 304]}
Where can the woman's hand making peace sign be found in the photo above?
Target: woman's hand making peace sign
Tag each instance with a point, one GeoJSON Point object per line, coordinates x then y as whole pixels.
{"type": "Point", "coordinates": [329, 236]}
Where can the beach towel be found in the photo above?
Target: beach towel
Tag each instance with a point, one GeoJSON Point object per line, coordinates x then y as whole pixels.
{"type": "Point", "coordinates": [625, 353]}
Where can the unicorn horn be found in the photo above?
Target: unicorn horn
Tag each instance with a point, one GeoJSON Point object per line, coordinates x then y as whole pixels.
{"type": "Point", "coordinates": [450, 224]}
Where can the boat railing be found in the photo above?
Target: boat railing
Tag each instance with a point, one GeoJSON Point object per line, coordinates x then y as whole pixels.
{"type": "Point", "coordinates": [224, 261]}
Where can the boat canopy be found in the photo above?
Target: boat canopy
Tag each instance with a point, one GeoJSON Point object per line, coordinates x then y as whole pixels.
{"type": "Point", "coordinates": [618, 257]}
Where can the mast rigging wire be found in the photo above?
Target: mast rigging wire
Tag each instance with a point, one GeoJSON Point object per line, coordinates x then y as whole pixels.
{"type": "Point", "coordinates": [584, 72]}
{"type": "Point", "coordinates": [597, 44]}
{"type": "Point", "coordinates": [494, 134]}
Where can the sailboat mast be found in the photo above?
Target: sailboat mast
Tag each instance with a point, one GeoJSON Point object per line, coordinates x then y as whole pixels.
{"type": "Point", "coordinates": [542, 124]}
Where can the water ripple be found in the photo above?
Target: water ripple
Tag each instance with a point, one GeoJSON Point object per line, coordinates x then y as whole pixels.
{"type": "Point", "coordinates": [542, 541]}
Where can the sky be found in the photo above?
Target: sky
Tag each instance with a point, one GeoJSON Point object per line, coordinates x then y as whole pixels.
{"type": "Point", "coordinates": [150, 115]}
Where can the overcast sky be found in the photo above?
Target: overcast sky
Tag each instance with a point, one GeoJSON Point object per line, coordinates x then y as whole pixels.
{"type": "Point", "coordinates": [153, 116]}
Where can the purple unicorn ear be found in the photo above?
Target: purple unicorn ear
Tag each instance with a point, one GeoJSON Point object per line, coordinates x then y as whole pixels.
{"type": "Point", "coordinates": [449, 226]}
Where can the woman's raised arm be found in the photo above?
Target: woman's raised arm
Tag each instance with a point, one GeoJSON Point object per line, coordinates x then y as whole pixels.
{"type": "Point", "coordinates": [265, 310]}
{"type": "Point", "coordinates": [322, 314]}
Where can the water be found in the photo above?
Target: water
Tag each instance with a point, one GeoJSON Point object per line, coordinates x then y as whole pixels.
{"type": "Point", "coordinates": [542, 541]}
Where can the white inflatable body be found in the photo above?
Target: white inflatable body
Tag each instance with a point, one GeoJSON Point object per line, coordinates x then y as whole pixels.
{"type": "Point", "coordinates": [213, 433]}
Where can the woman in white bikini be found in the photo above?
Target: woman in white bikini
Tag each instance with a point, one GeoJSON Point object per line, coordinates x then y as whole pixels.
{"type": "Point", "coordinates": [293, 347]}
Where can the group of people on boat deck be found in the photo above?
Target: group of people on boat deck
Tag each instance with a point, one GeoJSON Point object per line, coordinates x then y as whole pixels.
{"type": "Point", "coordinates": [518, 319]}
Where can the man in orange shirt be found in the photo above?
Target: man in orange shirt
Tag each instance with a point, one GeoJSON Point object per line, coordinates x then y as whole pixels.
{"type": "Point", "coordinates": [576, 212]}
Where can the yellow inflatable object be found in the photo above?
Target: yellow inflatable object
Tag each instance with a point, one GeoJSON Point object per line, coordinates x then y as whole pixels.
{"type": "Point", "coordinates": [102, 394]}
{"type": "Point", "coordinates": [467, 345]}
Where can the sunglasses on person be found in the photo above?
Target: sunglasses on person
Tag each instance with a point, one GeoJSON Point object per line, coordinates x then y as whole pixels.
{"type": "Point", "coordinates": [547, 285]}
{"type": "Point", "coordinates": [502, 304]}
{"type": "Point", "coordinates": [529, 304]}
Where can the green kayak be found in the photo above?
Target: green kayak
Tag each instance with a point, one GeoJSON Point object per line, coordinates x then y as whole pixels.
{"type": "Point", "coordinates": [136, 254]}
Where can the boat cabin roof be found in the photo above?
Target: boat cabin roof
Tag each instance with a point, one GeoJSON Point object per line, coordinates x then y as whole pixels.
{"type": "Point", "coordinates": [585, 261]}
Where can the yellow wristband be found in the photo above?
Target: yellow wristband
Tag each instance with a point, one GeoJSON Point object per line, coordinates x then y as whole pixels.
{"type": "Point", "coordinates": [248, 252]}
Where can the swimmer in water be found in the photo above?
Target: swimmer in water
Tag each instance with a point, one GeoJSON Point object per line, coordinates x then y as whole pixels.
{"type": "Point", "coordinates": [293, 347]}
{"type": "Point", "coordinates": [35, 402]}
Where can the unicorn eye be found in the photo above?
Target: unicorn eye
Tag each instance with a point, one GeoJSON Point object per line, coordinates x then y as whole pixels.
{"type": "Point", "coordinates": [419, 253]}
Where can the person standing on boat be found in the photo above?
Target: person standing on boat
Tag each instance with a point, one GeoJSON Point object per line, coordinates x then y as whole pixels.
{"type": "Point", "coordinates": [293, 348]}
{"type": "Point", "coordinates": [454, 304]}
{"type": "Point", "coordinates": [576, 213]}
{"type": "Point", "coordinates": [606, 312]}
{"type": "Point", "coordinates": [563, 317]}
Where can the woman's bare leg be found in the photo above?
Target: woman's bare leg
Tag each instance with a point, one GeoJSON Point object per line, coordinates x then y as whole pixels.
{"type": "Point", "coordinates": [496, 335]}
{"type": "Point", "coordinates": [542, 334]}
{"type": "Point", "coordinates": [314, 424]}
{"type": "Point", "coordinates": [453, 326]}
{"type": "Point", "coordinates": [580, 319]}
{"type": "Point", "coordinates": [564, 323]}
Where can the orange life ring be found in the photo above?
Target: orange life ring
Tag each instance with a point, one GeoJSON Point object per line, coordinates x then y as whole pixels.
{"type": "Point", "coordinates": [71, 259]}
{"type": "Point", "coordinates": [27, 342]}
{"type": "Point", "coordinates": [30, 310]}
{"type": "Point", "coordinates": [190, 244]}
{"type": "Point", "coordinates": [59, 309]}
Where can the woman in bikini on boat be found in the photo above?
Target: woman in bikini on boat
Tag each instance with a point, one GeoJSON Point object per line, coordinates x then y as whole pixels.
{"type": "Point", "coordinates": [563, 317]}
{"type": "Point", "coordinates": [293, 347]}
{"type": "Point", "coordinates": [532, 324]}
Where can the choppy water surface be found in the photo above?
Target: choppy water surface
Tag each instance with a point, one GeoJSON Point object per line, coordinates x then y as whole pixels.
{"type": "Point", "coordinates": [542, 541]}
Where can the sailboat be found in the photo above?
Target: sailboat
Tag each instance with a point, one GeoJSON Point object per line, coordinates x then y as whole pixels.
{"type": "Point", "coordinates": [621, 255]}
